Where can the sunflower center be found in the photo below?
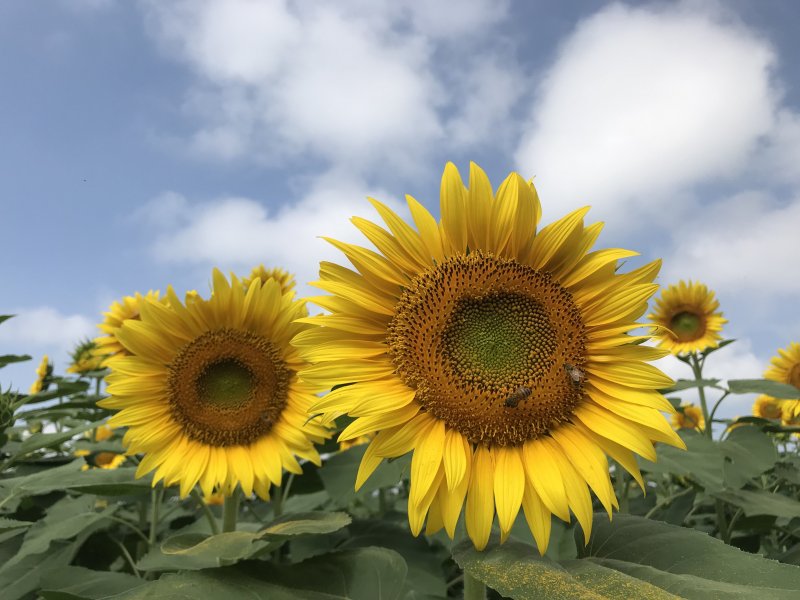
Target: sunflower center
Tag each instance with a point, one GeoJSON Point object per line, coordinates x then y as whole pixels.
{"type": "Point", "coordinates": [493, 347]}
{"type": "Point", "coordinates": [686, 325]}
{"type": "Point", "coordinates": [228, 387]}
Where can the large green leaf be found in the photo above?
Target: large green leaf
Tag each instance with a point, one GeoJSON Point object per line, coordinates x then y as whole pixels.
{"type": "Point", "coordinates": [78, 583]}
{"type": "Point", "coordinates": [338, 475]}
{"type": "Point", "coordinates": [108, 482]}
{"type": "Point", "coordinates": [19, 580]}
{"type": "Point", "coordinates": [702, 461]}
{"type": "Point", "coordinates": [192, 551]}
{"type": "Point", "coordinates": [760, 502]}
{"type": "Point", "coordinates": [425, 574]}
{"type": "Point", "coordinates": [775, 389]}
{"type": "Point", "coordinates": [64, 520]}
{"type": "Point", "coordinates": [516, 570]}
{"type": "Point", "coordinates": [748, 452]}
{"type": "Point", "coordinates": [688, 563]}
{"type": "Point", "coordinates": [358, 574]}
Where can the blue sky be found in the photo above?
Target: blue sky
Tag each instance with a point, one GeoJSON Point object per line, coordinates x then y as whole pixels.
{"type": "Point", "coordinates": [142, 143]}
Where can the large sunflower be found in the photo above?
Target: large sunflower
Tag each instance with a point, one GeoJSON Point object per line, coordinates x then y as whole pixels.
{"type": "Point", "coordinates": [689, 318]}
{"type": "Point", "coordinates": [209, 390]}
{"type": "Point", "coordinates": [785, 367]}
{"type": "Point", "coordinates": [499, 355]}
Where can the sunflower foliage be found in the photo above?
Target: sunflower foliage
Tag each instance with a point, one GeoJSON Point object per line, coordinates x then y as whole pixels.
{"type": "Point", "coordinates": [237, 445]}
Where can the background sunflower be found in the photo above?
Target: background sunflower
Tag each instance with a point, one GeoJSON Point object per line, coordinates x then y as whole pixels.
{"type": "Point", "coordinates": [688, 316]}
{"type": "Point", "coordinates": [209, 392]}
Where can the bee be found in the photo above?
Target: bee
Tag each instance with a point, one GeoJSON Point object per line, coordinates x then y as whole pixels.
{"type": "Point", "coordinates": [576, 374]}
{"type": "Point", "coordinates": [517, 396]}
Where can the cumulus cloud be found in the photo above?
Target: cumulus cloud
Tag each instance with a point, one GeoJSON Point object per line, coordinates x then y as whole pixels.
{"type": "Point", "coordinates": [747, 243]}
{"type": "Point", "coordinates": [238, 233]}
{"type": "Point", "coordinates": [352, 83]}
{"type": "Point", "coordinates": [643, 102]}
{"type": "Point", "coordinates": [37, 331]}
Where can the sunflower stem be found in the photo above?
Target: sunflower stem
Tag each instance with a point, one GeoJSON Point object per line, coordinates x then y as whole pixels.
{"type": "Point", "coordinates": [697, 369]}
{"type": "Point", "coordinates": [212, 521]}
{"type": "Point", "coordinates": [230, 512]}
{"type": "Point", "coordinates": [277, 503]}
{"type": "Point", "coordinates": [156, 494]}
{"type": "Point", "coordinates": [473, 588]}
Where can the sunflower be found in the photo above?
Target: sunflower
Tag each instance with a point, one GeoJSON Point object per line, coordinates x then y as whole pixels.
{"type": "Point", "coordinates": [689, 318]}
{"type": "Point", "coordinates": [128, 308]}
{"type": "Point", "coordinates": [101, 460]}
{"type": "Point", "coordinates": [768, 407]}
{"type": "Point", "coordinates": [284, 278]}
{"type": "Point", "coordinates": [209, 391]}
{"type": "Point", "coordinates": [86, 358]}
{"type": "Point", "coordinates": [43, 372]}
{"type": "Point", "coordinates": [499, 355]}
{"type": "Point", "coordinates": [785, 368]}
{"type": "Point", "coordinates": [689, 416]}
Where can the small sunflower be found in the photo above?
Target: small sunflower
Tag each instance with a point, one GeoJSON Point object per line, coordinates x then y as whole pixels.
{"type": "Point", "coordinates": [101, 434]}
{"type": "Point", "coordinates": [101, 460]}
{"type": "Point", "coordinates": [689, 318]}
{"type": "Point", "coordinates": [500, 355]}
{"type": "Point", "coordinates": [689, 416]}
{"type": "Point", "coordinates": [785, 368]}
{"type": "Point", "coordinates": [209, 391]}
{"type": "Point", "coordinates": [118, 313]}
{"type": "Point", "coordinates": [85, 358]}
{"type": "Point", "coordinates": [284, 278]}
{"type": "Point", "coordinates": [43, 372]}
{"type": "Point", "coordinates": [768, 407]}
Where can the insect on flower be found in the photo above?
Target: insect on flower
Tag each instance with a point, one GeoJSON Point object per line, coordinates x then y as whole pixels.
{"type": "Point", "coordinates": [517, 396]}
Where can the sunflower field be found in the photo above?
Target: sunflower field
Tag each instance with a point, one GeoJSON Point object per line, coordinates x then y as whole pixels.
{"type": "Point", "coordinates": [467, 410]}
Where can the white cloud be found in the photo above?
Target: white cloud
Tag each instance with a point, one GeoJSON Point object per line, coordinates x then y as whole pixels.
{"type": "Point", "coordinates": [642, 102]}
{"type": "Point", "coordinates": [352, 83]}
{"type": "Point", "coordinates": [745, 244]}
{"type": "Point", "coordinates": [37, 331]}
{"type": "Point", "coordinates": [239, 233]}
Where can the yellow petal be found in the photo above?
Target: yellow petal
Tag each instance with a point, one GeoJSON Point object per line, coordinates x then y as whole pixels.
{"type": "Point", "coordinates": [426, 461]}
{"type": "Point", "coordinates": [428, 229]}
{"type": "Point", "coordinates": [615, 428]}
{"type": "Point", "coordinates": [509, 485]}
{"type": "Point", "coordinates": [480, 498]}
{"type": "Point", "coordinates": [545, 478]}
{"type": "Point", "coordinates": [451, 501]}
{"type": "Point", "coordinates": [538, 518]}
{"type": "Point", "coordinates": [456, 450]}
{"type": "Point", "coordinates": [453, 211]}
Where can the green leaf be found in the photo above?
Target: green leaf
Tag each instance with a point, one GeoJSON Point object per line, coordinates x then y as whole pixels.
{"type": "Point", "coordinates": [313, 522]}
{"type": "Point", "coordinates": [18, 581]}
{"type": "Point", "coordinates": [8, 524]}
{"type": "Point", "coordinates": [688, 563]}
{"type": "Point", "coordinates": [107, 482]}
{"type": "Point", "coordinates": [78, 583]}
{"type": "Point", "coordinates": [760, 502]}
{"type": "Point", "coordinates": [359, 574]}
{"type": "Point", "coordinates": [516, 570]}
{"type": "Point", "coordinates": [193, 551]}
{"type": "Point", "coordinates": [686, 384]}
{"type": "Point", "coordinates": [65, 520]}
{"type": "Point", "coordinates": [719, 346]}
{"type": "Point", "coordinates": [425, 573]}
{"type": "Point", "coordinates": [749, 452]}
{"type": "Point", "coordinates": [702, 461]}
{"type": "Point", "coordinates": [338, 475]}
{"type": "Point", "coordinates": [7, 359]}
{"type": "Point", "coordinates": [47, 440]}
{"type": "Point", "coordinates": [775, 389]}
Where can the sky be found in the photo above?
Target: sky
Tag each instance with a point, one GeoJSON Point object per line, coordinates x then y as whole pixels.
{"type": "Point", "coordinates": [143, 143]}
